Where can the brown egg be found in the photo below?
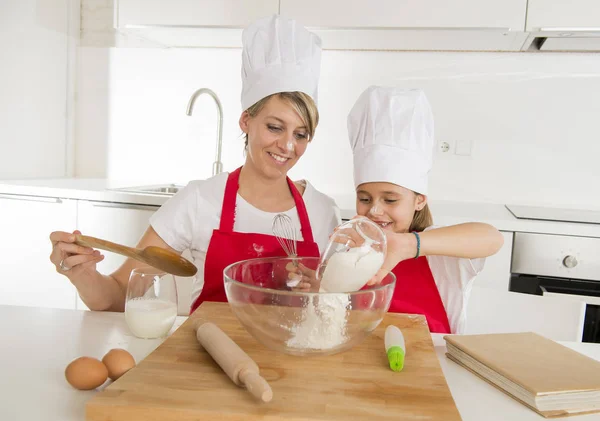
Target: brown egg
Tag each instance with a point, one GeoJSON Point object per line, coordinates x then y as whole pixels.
{"type": "Point", "coordinates": [118, 362]}
{"type": "Point", "coordinates": [86, 373]}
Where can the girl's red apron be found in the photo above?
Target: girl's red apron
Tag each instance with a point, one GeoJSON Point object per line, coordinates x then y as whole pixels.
{"type": "Point", "coordinates": [227, 247]}
{"type": "Point", "coordinates": [417, 293]}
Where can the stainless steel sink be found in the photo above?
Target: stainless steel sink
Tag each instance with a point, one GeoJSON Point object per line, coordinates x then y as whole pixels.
{"type": "Point", "coordinates": [161, 189]}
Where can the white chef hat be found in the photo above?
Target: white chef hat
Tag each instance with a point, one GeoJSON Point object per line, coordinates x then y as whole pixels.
{"type": "Point", "coordinates": [391, 134]}
{"type": "Point", "coordinates": [279, 55]}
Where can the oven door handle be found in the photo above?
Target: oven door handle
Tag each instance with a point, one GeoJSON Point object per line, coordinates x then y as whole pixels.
{"type": "Point", "coordinates": [588, 299]}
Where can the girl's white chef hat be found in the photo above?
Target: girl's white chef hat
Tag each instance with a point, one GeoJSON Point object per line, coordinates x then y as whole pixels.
{"type": "Point", "coordinates": [391, 134]}
{"type": "Point", "coordinates": [278, 55]}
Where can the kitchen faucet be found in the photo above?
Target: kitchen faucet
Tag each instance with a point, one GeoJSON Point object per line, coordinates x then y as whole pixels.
{"type": "Point", "coordinates": [217, 165]}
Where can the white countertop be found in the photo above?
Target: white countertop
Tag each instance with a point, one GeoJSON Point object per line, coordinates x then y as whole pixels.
{"type": "Point", "coordinates": [95, 189]}
{"type": "Point", "coordinates": [444, 212]}
{"type": "Point", "coordinates": [37, 345]}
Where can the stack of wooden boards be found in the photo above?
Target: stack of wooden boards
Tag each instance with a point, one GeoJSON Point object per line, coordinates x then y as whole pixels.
{"type": "Point", "coordinates": [548, 377]}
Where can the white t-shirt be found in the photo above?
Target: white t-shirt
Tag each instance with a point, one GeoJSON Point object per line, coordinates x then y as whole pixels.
{"type": "Point", "coordinates": [454, 278]}
{"type": "Point", "coordinates": [187, 220]}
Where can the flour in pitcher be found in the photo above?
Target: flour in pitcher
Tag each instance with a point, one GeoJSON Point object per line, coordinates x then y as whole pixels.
{"type": "Point", "coordinates": [351, 270]}
{"type": "Point", "coordinates": [323, 324]}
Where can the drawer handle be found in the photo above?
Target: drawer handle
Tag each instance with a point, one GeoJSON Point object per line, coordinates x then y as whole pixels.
{"type": "Point", "coordinates": [30, 198]}
{"type": "Point", "coordinates": [124, 206]}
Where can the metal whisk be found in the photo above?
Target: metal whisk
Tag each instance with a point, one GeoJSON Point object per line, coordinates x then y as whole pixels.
{"type": "Point", "coordinates": [284, 231]}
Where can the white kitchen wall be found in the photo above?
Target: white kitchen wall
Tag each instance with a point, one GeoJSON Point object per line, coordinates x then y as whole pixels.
{"type": "Point", "coordinates": [37, 50]}
{"type": "Point", "coordinates": [531, 118]}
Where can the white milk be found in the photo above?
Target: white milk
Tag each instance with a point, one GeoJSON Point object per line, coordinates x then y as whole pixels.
{"type": "Point", "coordinates": [351, 270]}
{"type": "Point", "coordinates": [150, 318]}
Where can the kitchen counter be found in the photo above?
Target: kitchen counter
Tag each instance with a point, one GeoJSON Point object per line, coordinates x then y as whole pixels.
{"type": "Point", "coordinates": [444, 212]}
{"type": "Point", "coordinates": [95, 189]}
{"type": "Point", "coordinates": [37, 345]}
{"type": "Point", "coordinates": [450, 213]}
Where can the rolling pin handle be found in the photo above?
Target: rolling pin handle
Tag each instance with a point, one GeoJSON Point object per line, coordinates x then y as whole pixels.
{"type": "Point", "coordinates": [256, 385]}
{"type": "Point", "coordinates": [232, 359]}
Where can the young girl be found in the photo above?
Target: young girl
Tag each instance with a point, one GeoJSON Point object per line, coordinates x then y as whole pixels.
{"type": "Point", "coordinates": [391, 134]}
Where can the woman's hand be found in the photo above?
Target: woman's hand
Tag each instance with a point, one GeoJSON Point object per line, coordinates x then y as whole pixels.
{"type": "Point", "coordinates": [72, 260]}
{"type": "Point", "coordinates": [302, 278]}
{"type": "Point", "coordinates": [99, 292]}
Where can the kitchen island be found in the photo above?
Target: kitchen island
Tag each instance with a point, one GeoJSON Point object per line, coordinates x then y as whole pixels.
{"type": "Point", "coordinates": [38, 343]}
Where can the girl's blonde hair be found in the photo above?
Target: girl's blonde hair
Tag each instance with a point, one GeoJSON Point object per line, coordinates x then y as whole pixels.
{"type": "Point", "coordinates": [421, 220]}
{"type": "Point", "coordinates": [302, 103]}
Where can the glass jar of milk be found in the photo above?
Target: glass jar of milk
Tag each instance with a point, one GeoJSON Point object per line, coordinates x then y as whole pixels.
{"type": "Point", "coordinates": [355, 253]}
{"type": "Point", "coordinates": [151, 302]}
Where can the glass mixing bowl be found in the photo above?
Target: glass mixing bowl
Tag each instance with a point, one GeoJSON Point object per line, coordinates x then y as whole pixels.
{"type": "Point", "coordinates": [297, 322]}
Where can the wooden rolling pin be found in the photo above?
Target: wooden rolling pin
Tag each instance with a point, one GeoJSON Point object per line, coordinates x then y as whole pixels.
{"type": "Point", "coordinates": [240, 368]}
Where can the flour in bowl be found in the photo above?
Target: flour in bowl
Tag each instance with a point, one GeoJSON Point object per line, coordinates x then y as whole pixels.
{"type": "Point", "coordinates": [323, 324]}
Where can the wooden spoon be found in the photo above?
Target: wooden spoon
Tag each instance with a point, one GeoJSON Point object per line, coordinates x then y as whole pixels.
{"type": "Point", "coordinates": [157, 257]}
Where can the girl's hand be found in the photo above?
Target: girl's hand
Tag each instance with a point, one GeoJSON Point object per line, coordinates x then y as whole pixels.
{"type": "Point", "coordinates": [348, 235]}
{"type": "Point", "coordinates": [400, 246]}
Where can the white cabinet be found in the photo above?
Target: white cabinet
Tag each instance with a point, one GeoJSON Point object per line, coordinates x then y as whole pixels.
{"type": "Point", "coordinates": [123, 224]}
{"type": "Point", "coordinates": [573, 14]}
{"type": "Point", "coordinates": [557, 25]}
{"type": "Point", "coordinates": [496, 272]}
{"type": "Point", "coordinates": [509, 14]}
{"type": "Point", "coordinates": [117, 222]}
{"type": "Point", "coordinates": [28, 276]}
{"type": "Point", "coordinates": [224, 13]}
{"type": "Point", "coordinates": [191, 23]}
{"type": "Point", "coordinates": [460, 25]}
{"type": "Point", "coordinates": [36, 64]}
{"type": "Point", "coordinates": [413, 24]}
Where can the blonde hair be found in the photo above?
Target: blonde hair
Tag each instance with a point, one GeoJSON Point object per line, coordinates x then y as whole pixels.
{"type": "Point", "coordinates": [302, 103]}
{"type": "Point", "coordinates": [421, 220]}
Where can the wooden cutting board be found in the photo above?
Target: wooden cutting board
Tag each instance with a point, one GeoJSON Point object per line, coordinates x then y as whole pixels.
{"type": "Point", "coordinates": [180, 381]}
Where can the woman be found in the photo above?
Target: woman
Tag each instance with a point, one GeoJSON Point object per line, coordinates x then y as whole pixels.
{"type": "Point", "coordinates": [229, 217]}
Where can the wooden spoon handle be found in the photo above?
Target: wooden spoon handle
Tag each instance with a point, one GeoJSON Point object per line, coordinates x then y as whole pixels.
{"type": "Point", "coordinates": [87, 241]}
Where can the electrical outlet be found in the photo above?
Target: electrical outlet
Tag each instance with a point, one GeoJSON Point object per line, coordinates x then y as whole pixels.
{"type": "Point", "coordinates": [444, 146]}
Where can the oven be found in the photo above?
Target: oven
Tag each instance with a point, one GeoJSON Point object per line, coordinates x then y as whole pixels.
{"type": "Point", "coordinates": [545, 264]}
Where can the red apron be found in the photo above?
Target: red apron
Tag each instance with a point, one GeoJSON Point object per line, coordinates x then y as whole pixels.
{"type": "Point", "coordinates": [227, 247]}
{"type": "Point", "coordinates": [417, 293]}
